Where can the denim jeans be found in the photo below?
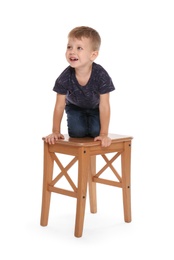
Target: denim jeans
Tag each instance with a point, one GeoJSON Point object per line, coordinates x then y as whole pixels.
{"type": "Point", "coordinates": [82, 122]}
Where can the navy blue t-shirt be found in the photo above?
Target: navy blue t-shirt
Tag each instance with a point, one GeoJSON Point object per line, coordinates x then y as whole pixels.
{"type": "Point", "coordinates": [87, 96]}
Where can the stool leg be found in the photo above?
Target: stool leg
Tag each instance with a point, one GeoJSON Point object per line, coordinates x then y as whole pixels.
{"type": "Point", "coordinates": [83, 170]}
{"type": "Point", "coordinates": [47, 178]}
{"type": "Point", "coordinates": [126, 165]}
{"type": "Point", "coordinates": [92, 185]}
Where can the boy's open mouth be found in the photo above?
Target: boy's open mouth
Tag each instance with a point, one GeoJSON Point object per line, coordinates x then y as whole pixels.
{"type": "Point", "coordinates": [73, 59]}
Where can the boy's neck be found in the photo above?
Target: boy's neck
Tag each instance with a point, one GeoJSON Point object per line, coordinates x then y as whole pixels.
{"type": "Point", "coordinates": [83, 71]}
{"type": "Point", "coordinates": [83, 75]}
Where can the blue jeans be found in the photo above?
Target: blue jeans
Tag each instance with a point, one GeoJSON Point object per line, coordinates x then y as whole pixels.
{"type": "Point", "coordinates": [82, 122]}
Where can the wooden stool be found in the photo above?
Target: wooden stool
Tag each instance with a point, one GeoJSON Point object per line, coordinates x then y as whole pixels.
{"type": "Point", "coordinates": [84, 151]}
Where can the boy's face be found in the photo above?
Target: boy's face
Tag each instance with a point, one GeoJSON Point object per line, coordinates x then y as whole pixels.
{"type": "Point", "coordinates": [79, 52]}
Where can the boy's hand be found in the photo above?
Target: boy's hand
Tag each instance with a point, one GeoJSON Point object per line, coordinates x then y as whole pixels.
{"type": "Point", "coordinates": [105, 140]}
{"type": "Point", "coordinates": [52, 138]}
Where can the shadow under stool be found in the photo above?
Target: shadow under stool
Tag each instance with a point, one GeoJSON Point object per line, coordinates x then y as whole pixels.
{"type": "Point", "coordinates": [84, 152]}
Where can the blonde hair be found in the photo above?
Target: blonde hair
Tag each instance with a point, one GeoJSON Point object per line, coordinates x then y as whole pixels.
{"type": "Point", "coordinates": [87, 32]}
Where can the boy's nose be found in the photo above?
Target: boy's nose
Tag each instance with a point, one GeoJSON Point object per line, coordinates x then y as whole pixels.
{"type": "Point", "coordinates": [72, 50]}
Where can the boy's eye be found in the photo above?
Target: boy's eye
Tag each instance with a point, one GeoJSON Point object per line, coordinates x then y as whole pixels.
{"type": "Point", "coordinates": [79, 48]}
{"type": "Point", "coordinates": [68, 47]}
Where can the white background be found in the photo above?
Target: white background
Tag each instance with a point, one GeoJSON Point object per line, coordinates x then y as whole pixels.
{"type": "Point", "coordinates": [137, 51]}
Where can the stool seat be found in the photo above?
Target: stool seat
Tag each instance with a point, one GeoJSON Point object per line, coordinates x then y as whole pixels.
{"type": "Point", "coordinates": [84, 151]}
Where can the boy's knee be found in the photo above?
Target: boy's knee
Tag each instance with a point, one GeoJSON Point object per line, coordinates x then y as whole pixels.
{"type": "Point", "coordinates": [77, 133]}
{"type": "Point", "coordinates": [94, 132]}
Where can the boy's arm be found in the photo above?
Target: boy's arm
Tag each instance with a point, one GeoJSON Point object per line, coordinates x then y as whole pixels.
{"type": "Point", "coordinates": [57, 118]}
{"type": "Point", "coordinates": [104, 108]}
{"type": "Point", "coordinates": [58, 113]}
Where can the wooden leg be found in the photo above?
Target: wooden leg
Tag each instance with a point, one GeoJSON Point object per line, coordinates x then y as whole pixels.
{"type": "Point", "coordinates": [92, 185]}
{"type": "Point", "coordinates": [126, 172]}
{"type": "Point", "coordinates": [83, 169]}
{"type": "Point", "coordinates": [47, 178]}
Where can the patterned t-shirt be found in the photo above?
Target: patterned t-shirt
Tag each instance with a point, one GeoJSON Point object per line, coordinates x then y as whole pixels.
{"type": "Point", "coordinates": [87, 96]}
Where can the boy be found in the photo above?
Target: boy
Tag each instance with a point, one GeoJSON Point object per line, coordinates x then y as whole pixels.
{"type": "Point", "coordinates": [83, 90]}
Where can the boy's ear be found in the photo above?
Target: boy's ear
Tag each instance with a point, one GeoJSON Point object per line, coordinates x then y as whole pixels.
{"type": "Point", "coordinates": [94, 55]}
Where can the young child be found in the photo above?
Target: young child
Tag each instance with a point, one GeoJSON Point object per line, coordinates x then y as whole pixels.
{"type": "Point", "coordinates": [83, 90]}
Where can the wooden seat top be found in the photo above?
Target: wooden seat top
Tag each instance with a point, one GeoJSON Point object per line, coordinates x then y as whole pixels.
{"type": "Point", "coordinates": [88, 141]}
